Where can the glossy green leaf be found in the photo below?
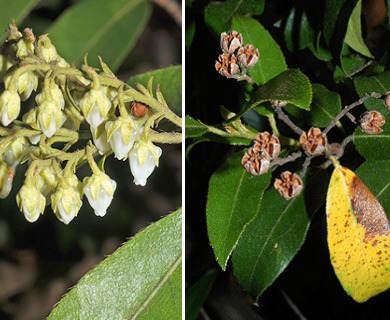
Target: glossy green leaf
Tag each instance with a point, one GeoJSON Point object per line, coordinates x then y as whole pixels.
{"type": "Point", "coordinates": [15, 9]}
{"type": "Point", "coordinates": [141, 280]}
{"type": "Point", "coordinates": [271, 60]}
{"type": "Point", "coordinates": [324, 108]}
{"type": "Point", "coordinates": [194, 128]}
{"type": "Point", "coordinates": [270, 242]}
{"type": "Point", "coordinates": [291, 86]}
{"type": "Point", "coordinates": [197, 294]}
{"type": "Point", "coordinates": [353, 64]}
{"type": "Point", "coordinates": [376, 176]}
{"type": "Point", "coordinates": [276, 234]}
{"type": "Point", "coordinates": [297, 33]}
{"type": "Point", "coordinates": [100, 28]}
{"type": "Point", "coordinates": [234, 199]}
{"type": "Point", "coordinates": [354, 37]}
{"type": "Point", "coordinates": [375, 83]}
{"type": "Point", "coordinates": [373, 146]}
{"type": "Point", "coordinates": [169, 81]}
{"type": "Point", "coordinates": [218, 15]}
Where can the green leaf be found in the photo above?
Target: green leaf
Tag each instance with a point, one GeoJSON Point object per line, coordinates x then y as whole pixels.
{"type": "Point", "coordinates": [376, 175]}
{"type": "Point", "coordinates": [354, 37]}
{"type": "Point", "coordinates": [218, 15]}
{"type": "Point", "coordinates": [141, 280]}
{"type": "Point", "coordinates": [234, 199]}
{"type": "Point", "coordinates": [291, 86]}
{"type": "Point", "coordinates": [324, 108]}
{"type": "Point", "coordinates": [197, 294]}
{"type": "Point", "coordinates": [271, 61]}
{"type": "Point", "coordinates": [194, 128]}
{"type": "Point", "coordinates": [190, 34]}
{"type": "Point", "coordinates": [376, 83]}
{"type": "Point", "coordinates": [298, 34]}
{"type": "Point", "coordinates": [270, 242]}
{"type": "Point", "coordinates": [353, 64]}
{"type": "Point", "coordinates": [169, 81]}
{"type": "Point", "coordinates": [276, 234]}
{"type": "Point", "coordinates": [100, 28]}
{"type": "Point", "coordinates": [15, 9]}
{"type": "Point", "coordinates": [373, 146]}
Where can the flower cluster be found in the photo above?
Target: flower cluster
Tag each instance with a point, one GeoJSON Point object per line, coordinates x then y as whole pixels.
{"type": "Point", "coordinates": [71, 105]}
{"type": "Point", "coordinates": [235, 58]}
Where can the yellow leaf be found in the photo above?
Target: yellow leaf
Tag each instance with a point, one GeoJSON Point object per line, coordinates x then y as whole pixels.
{"type": "Point", "coordinates": [358, 236]}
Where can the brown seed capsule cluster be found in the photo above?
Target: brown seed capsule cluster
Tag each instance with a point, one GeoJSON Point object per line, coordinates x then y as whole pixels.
{"type": "Point", "coordinates": [387, 101]}
{"type": "Point", "coordinates": [289, 185]}
{"type": "Point", "coordinates": [266, 147]}
{"type": "Point", "coordinates": [372, 121]}
{"type": "Point", "coordinates": [235, 58]}
{"type": "Point", "coordinates": [313, 142]}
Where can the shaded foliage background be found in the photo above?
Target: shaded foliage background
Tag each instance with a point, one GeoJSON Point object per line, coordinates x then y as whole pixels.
{"type": "Point", "coordinates": [40, 261]}
{"type": "Point", "coordinates": [307, 288]}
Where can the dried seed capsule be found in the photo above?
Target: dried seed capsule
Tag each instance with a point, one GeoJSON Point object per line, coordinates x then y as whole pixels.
{"type": "Point", "coordinates": [387, 101]}
{"type": "Point", "coordinates": [248, 55]}
{"type": "Point", "coordinates": [227, 65]}
{"type": "Point", "coordinates": [313, 142]}
{"type": "Point", "coordinates": [371, 121]}
{"type": "Point", "coordinates": [268, 143]}
{"type": "Point", "coordinates": [256, 163]}
{"type": "Point", "coordinates": [138, 109]}
{"type": "Point", "coordinates": [289, 186]}
{"type": "Point", "coordinates": [231, 41]}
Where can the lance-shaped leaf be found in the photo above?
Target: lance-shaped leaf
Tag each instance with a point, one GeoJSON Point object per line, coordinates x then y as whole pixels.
{"type": "Point", "coordinates": [141, 280]}
{"type": "Point", "coordinates": [234, 199]}
{"type": "Point", "coordinates": [358, 236]}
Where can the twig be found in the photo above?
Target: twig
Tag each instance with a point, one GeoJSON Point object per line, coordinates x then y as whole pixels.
{"type": "Point", "coordinates": [282, 116]}
{"type": "Point", "coordinates": [282, 161]}
{"type": "Point", "coordinates": [305, 166]}
{"type": "Point", "coordinates": [349, 108]}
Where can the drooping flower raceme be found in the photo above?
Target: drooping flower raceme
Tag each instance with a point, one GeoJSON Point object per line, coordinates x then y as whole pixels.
{"type": "Point", "coordinates": [99, 190]}
{"type": "Point", "coordinates": [143, 158]}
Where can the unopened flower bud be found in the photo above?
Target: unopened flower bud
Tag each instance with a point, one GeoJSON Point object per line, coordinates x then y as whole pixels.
{"type": "Point", "coordinates": [46, 181]}
{"type": "Point", "coordinates": [50, 118]}
{"type": "Point", "coordinates": [99, 190]}
{"type": "Point", "coordinates": [372, 121]}
{"type": "Point", "coordinates": [46, 50]}
{"type": "Point", "coordinates": [138, 109]}
{"type": "Point", "coordinates": [143, 158]}
{"type": "Point", "coordinates": [95, 106]}
{"type": "Point", "coordinates": [268, 143]}
{"type": "Point", "coordinates": [231, 41]}
{"type": "Point", "coordinates": [9, 106]}
{"type": "Point", "coordinates": [15, 151]}
{"type": "Point", "coordinates": [24, 46]}
{"type": "Point", "coordinates": [5, 64]}
{"type": "Point", "coordinates": [121, 135]}
{"type": "Point", "coordinates": [227, 65]}
{"type": "Point", "coordinates": [314, 142]}
{"type": "Point", "coordinates": [256, 162]}
{"type": "Point", "coordinates": [248, 55]}
{"type": "Point", "coordinates": [7, 174]}
{"type": "Point", "coordinates": [289, 186]}
{"type": "Point", "coordinates": [30, 202]}
{"type": "Point", "coordinates": [66, 203]}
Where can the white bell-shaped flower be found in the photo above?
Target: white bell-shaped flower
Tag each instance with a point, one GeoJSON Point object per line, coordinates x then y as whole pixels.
{"type": "Point", "coordinates": [143, 158]}
{"type": "Point", "coordinates": [95, 106]}
{"type": "Point", "coordinates": [9, 106]}
{"type": "Point", "coordinates": [15, 151]}
{"type": "Point", "coordinates": [121, 135]}
{"type": "Point", "coordinates": [66, 203]}
{"type": "Point", "coordinates": [30, 202]}
{"type": "Point", "coordinates": [99, 136]}
{"type": "Point", "coordinates": [49, 118]}
{"type": "Point", "coordinates": [99, 190]}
